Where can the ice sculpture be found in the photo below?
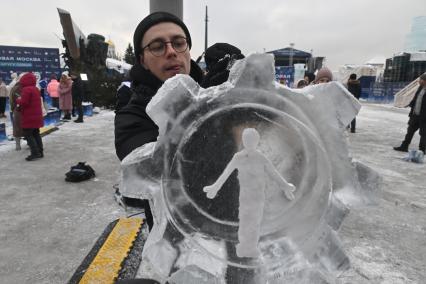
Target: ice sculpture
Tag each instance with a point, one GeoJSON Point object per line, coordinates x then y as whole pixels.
{"type": "Point", "coordinates": [253, 168]}
{"type": "Point", "coordinates": [195, 238]}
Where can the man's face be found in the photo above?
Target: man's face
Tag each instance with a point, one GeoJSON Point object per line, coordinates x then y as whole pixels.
{"type": "Point", "coordinates": [422, 83]}
{"type": "Point", "coordinates": [171, 62]}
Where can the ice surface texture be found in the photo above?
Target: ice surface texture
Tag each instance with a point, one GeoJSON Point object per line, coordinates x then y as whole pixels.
{"type": "Point", "coordinates": [291, 233]}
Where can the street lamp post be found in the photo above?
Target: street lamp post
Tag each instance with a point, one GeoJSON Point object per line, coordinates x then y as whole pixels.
{"type": "Point", "coordinates": [291, 54]}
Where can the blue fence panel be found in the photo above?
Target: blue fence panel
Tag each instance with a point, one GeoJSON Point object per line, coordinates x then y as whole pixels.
{"type": "Point", "coordinates": [383, 92]}
{"type": "Point", "coordinates": [87, 109]}
{"type": "Point", "coordinates": [365, 85]}
{"type": "Point", "coordinates": [3, 135]}
{"type": "Point", "coordinates": [284, 75]}
{"type": "Point", "coordinates": [52, 117]}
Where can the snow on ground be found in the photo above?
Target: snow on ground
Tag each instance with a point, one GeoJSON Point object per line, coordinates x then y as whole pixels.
{"type": "Point", "coordinates": [49, 226]}
{"type": "Point", "coordinates": [386, 242]}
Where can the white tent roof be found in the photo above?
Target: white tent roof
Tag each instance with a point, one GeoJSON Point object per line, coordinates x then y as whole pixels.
{"type": "Point", "coordinates": [377, 60]}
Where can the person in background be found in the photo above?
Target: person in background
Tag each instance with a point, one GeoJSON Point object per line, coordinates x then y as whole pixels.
{"type": "Point", "coordinates": [354, 87]}
{"type": "Point", "coordinates": [417, 117]}
{"type": "Point", "coordinates": [301, 84]}
{"type": "Point", "coordinates": [43, 86]}
{"type": "Point", "coordinates": [15, 114]}
{"type": "Point", "coordinates": [52, 90]}
{"type": "Point", "coordinates": [324, 75]}
{"type": "Point", "coordinates": [30, 106]}
{"type": "Point", "coordinates": [3, 96]}
{"type": "Point", "coordinates": [65, 96]}
{"type": "Point", "coordinates": [77, 91]}
{"type": "Point", "coordinates": [309, 77]}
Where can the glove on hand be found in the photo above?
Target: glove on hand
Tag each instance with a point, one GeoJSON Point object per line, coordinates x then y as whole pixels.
{"type": "Point", "coordinates": [219, 59]}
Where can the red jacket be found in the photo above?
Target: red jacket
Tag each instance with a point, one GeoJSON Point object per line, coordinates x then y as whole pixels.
{"type": "Point", "coordinates": [30, 103]}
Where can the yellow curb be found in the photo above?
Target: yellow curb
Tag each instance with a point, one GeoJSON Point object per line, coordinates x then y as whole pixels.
{"type": "Point", "coordinates": [107, 263]}
{"type": "Point", "coordinates": [47, 129]}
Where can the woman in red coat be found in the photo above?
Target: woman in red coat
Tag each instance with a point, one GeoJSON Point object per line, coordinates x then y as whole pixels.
{"type": "Point", "coordinates": [31, 115]}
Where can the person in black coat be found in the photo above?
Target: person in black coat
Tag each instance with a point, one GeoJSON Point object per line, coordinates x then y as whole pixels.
{"type": "Point", "coordinates": [77, 91]}
{"type": "Point", "coordinates": [354, 87]}
{"type": "Point", "coordinates": [161, 42]}
{"type": "Point", "coordinates": [417, 117]}
{"type": "Point", "coordinates": [162, 46]}
{"type": "Point", "coordinates": [160, 57]}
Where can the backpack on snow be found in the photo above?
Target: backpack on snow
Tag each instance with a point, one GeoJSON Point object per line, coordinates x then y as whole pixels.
{"type": "Point", "coordinates": [79, 172]}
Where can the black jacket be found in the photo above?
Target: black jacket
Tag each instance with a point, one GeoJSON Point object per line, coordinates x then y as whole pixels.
{"type": "Point", "coordinates": [412, 104]}
{"type": "Point", "coordinates": [124, 93]}
{"type": "Point", "coordinates": [133, 126]}
{"type": "Point", "coordinates": [354, 86]}
{"type": "Point", "coordinates": [77, 90]}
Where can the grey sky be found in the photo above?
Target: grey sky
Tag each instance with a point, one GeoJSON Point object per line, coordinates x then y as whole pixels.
{"type": "Point", "coordinates": [343, 31]}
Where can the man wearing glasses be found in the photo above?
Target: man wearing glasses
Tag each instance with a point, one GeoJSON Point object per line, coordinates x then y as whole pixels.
{"type": "Point", "coordinates": [162, 46]}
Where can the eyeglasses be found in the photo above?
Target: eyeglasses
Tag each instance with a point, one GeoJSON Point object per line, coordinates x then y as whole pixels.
{"type": "Point", "coordinates": [158, 47]}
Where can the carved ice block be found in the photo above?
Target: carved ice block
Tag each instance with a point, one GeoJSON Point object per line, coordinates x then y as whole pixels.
{"type": "Point", "coordinates": [284, 229]}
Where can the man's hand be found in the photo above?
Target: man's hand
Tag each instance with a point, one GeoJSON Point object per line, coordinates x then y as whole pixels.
{"type": "Point", "coordinates": [219, 59]}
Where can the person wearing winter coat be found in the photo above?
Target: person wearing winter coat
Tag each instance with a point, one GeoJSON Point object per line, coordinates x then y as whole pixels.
{"type": "Point", "coordinates": [3, 96]}
{"type": "Point", "coordinates": [161, 55]}
{"type": "Point", "coordinates": [14, 94]}
{"type": "Point", "coordinates": [162, 46]}
{"type": "Point", "coordinates": [309, 77]}
{"type": "Point", "coordinates": [52, 90]}
{"type": "Point", "coordinates": [30, 105]}
{"type": "Point", "coordinates": [354, 87]}
{"type": "Point", "coordinates": [417, 119]}
{"type": "Point", "coordinates": [65, 96]}
{"type": "Point", "coordinates": [324, 75]}
{"type": "Point", "coordinates": [162, 43]}
{"type": "Point", "coordinates": [77, 91]}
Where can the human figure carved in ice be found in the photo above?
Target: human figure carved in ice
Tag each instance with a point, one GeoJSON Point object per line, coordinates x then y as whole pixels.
{"type": "Point", "coordinates": [253, 170]}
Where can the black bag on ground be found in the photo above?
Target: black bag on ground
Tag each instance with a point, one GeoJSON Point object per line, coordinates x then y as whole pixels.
{"type": "Point", "coordinates": [80, 172]}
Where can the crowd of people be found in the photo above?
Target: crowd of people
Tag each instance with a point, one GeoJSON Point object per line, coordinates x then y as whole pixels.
{"type": "Point", "coordinates": [27, 94]}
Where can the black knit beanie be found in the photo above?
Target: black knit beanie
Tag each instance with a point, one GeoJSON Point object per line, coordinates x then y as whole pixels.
{"type": "Point", "coordinates": [151, 20]}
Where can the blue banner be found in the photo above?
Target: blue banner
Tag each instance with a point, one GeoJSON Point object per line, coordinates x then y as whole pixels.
{"type": "Point", "coordinates": [20, 59]}
{"type": "Point", "coordinates": [285, 75]}
{"type": "Point", "coordinates": [382, 92]}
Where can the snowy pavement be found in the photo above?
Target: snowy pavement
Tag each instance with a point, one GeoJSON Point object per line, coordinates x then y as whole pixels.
{"type": "Point", "coordinates": [48, 226]}
{"type": "Point", "coordinates": [386, 243]}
